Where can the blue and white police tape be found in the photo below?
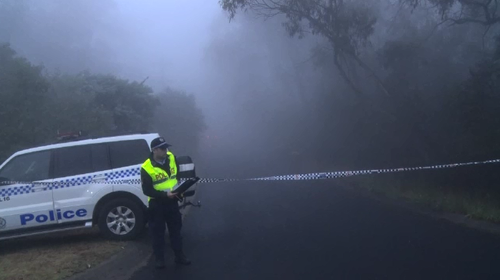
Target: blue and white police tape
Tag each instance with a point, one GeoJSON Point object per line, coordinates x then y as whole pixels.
{"type": "Point", "coordinates": [291, 177]}
{"type": "Point", "coordinates": [338, 174]}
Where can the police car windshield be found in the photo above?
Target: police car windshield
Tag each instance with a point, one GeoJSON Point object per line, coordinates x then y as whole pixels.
{"type": "Point", "coordinates": [28, 167]}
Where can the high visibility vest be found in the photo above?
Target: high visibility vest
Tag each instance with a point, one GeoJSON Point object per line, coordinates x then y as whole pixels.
{"type": "Point", "coordinates": [161, 180]}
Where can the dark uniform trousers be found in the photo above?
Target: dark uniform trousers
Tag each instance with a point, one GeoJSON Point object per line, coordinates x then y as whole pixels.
{"type": "Point", "coordinates": [162, 211]}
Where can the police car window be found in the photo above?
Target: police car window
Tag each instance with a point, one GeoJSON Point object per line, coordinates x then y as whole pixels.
{"type": "Point", "coordinates": [28, 167]}
{"type": "Point", "coordinates": [125, 153]}
{"type": "Point", "coordinates": [100, 158]}
{"type": "Point", "coordinates": [72, 161]}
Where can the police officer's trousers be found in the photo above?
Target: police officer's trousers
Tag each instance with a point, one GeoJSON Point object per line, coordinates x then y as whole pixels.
{"type": "Point", "coordinates": [161, 212]}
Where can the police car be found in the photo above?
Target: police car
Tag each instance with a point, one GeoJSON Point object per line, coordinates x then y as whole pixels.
{"type": "Point", "coordinates": [79, 184]}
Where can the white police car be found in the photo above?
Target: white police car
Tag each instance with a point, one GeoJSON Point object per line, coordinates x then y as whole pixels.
{"type": "Point", "coordinates": [79, 184]}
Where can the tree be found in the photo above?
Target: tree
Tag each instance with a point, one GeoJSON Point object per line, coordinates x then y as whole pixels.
{"type": "Point", "coordinates": [25, 100]}
{"type": "Point", "coordinates": [346, 25]}
{"type": "Point", "coordinates": [35, 106]}
{"type": "Point", "coordinates": [483, 12]}
{"type": "Point", "coordinates": [110, 105]}
{"type": "Point", "coordinates": [477, 109]}
{"type": "Point", "coordinates": [419, 73]}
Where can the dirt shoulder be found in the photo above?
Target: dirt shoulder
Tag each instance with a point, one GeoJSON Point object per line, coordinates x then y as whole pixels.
{"type": "Point", "coordinates": [121, 265]}
{"type": "Point", "coordinates": [56, 256]}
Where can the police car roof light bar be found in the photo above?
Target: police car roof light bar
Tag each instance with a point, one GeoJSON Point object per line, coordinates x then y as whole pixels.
{"type": "Point", "coordinates": [69, 136]}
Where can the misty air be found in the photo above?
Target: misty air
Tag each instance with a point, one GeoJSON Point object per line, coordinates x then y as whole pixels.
{"type": "Point", "coordinates": [249, 139]}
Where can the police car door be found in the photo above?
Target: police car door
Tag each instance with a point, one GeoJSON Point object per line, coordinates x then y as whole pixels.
{"type": "Point", "coordinates": [25, 206]}
{"type": "Point", "coordinates": [81, 169]}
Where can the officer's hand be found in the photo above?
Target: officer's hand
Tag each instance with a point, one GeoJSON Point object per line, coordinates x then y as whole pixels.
{"type": "Point", "coordinates": [171, 194]}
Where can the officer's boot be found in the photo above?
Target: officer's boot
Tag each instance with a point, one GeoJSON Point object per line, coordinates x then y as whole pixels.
{"type": "Point", "coordinates": [159, 263]}
{"type": "Point", "coordinates": [180, 258]}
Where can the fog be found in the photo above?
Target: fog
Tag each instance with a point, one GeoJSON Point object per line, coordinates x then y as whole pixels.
{"type": "Point", "coordinates": [254, 88]}
{"type": "Point", "coordinates": [272, 103]}
{"type": "Point", "coordinates": [164, 40]}
{"type": "Point", "coordinates": [186, 45]}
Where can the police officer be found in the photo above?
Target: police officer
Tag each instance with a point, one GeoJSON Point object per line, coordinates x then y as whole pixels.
{"type": "Point", "coordinates": [158, 177]}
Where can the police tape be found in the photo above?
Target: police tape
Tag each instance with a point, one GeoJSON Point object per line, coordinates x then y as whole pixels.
{"type": "Point", "coordinates": [291, 177]}
{"type": "Point", "coordinates": [340, 174]}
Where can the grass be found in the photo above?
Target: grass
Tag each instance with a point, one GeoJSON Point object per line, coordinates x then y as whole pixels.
{"type": "Point", "coordinates": [54, 257]}
{"type": "Point", "coordinates": [437, 197]}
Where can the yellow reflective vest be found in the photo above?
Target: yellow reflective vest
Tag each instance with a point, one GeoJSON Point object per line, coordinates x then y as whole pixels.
{"type": "Point", "coordinates": [161, 180]}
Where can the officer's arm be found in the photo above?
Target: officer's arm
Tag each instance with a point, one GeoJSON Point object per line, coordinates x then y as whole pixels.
{"type": "Point", "coordinates": [147, 186]}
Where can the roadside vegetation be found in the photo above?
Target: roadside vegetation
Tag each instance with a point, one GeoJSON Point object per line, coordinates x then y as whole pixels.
{"type": "Point", "coordinates": [436, 190]}
{"type": "Point", "coordinates": [36, 104]}
{"type": "Point", "coordinates": [56, 256]}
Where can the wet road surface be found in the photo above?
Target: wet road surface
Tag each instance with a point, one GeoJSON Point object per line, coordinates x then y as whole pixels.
{"type": "Point", "coordinates": [315, 230]}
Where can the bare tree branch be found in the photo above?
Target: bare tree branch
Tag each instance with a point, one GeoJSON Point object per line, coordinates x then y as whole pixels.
{"type": "Point", "coordinates": [487, 8]}
{"type": "Point", "coordinates": [347, 28]}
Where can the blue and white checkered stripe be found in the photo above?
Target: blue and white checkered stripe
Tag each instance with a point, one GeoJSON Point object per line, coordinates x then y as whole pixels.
{"type": "Point", "coordinates": [19, 190]}
{"type": "Point", "coordinates": [110, 178]}
{"type": "Point", "coordinates": [124, 173]}
{"type": "Point", "coordinates": [77, 181]}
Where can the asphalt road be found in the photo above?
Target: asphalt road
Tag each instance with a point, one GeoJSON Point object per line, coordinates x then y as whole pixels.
{"type": "Point", "coordinates": [315, 230]}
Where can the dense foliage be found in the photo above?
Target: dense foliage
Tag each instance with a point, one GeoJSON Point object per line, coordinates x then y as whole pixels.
{"type": "Point", "coordinates": [36, 105]}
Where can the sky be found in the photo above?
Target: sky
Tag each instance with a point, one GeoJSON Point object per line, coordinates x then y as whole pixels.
{"type": "Point", "coordinates": [164, 40]}
{"type": "Point", "coordinates": [177, 32]}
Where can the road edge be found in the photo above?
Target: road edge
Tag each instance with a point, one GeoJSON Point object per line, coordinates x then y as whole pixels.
{"type": "Point", "coordinates": [458, 219]}
{"type": "Point", "coordinates": [124, 263]}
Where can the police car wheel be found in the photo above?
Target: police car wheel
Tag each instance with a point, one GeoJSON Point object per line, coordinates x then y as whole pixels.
{"type": "Point", "coordinates": [121, 219]}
